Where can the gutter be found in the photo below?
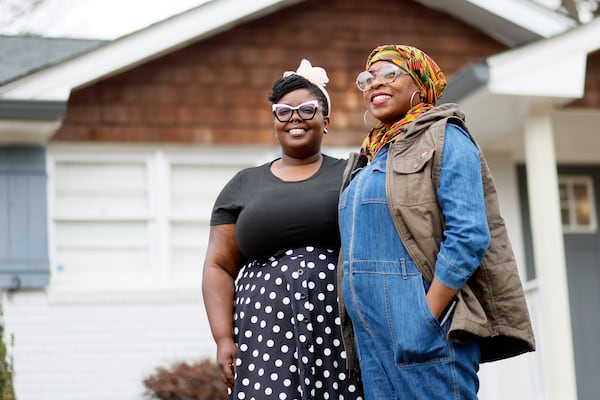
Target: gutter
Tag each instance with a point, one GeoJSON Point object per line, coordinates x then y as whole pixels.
{"type": "Point", "coordinates": [32, 109]}
{"type": "Point", "coordinates": [30, 121]}
{"type": "Point", "coordinates": [465, 82]}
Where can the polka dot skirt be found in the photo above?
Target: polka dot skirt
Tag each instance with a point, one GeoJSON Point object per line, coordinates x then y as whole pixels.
{"type": "Point", "coordinates": [287, 329]}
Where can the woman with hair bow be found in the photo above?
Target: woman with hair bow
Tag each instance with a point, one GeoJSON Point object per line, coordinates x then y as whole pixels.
{"type": "Point", "coordinates": [429, 280]}
{"type": "Point", "coordinates": [269, 283]}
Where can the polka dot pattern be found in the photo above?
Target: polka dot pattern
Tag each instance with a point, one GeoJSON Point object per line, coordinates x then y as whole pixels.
{"type": "Point", "coordinates": [288, 331]}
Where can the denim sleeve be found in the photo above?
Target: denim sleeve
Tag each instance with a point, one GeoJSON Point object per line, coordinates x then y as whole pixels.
{"type": "Point", "coordinates": [460, 197]}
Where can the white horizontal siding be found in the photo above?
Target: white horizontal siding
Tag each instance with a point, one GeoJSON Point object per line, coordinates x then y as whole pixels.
{"type": "Point", "coordinates": [85, 351]}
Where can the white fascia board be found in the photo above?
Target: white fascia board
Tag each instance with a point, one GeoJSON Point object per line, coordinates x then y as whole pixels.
{"type": "Point", "coordinates": [56, 82]}
{"type": "Point", "coordinates": [18, 131]}
{"type": "Point", "coordinates": [553, 67]}
{"type": "Point", "coordinates": [526, 14]}
{"type": "Point", "coordinates": [534, 17]}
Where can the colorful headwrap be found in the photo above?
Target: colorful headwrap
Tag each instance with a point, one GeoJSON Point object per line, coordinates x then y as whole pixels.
{"type": "Point", "coordinates": [427, 76]}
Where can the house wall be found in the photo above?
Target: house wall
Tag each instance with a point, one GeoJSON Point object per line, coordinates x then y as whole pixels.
{"type": "Point", "coordinates": [98, 347]}
{"type": "Point", "coordinates": [214, 91]}
{"type": "Point", "coordinates": [128, 228]}
{"type": "Point", "coordinates": [105, 327]}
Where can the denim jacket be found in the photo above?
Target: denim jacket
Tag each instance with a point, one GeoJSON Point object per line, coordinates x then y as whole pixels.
{"type": "Point", "coordinates": [491, 304]}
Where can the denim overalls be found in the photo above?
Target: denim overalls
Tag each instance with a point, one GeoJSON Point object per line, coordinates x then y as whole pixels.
{"type": "Point", "coordinates": [403, 350]}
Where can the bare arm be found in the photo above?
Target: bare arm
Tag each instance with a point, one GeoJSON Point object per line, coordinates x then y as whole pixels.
{"type": "Point", "coordinates": [223, 258]}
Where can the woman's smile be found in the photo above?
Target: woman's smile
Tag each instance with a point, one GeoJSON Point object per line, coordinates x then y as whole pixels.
{"type": "Point", "coordinates": [296, 132]}
{"type": "Point", "coordinates": [380, 98]}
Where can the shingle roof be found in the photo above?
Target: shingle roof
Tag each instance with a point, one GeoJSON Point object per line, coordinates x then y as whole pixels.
{"type": "Point", "coordinates": [22, 55]}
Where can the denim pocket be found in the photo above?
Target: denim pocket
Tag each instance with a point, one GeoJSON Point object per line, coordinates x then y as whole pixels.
{"type": "Point", "coordinates": [373, 190]}
{"type": "Point", "coordinates": [388, 300]}
{"type": "Point", "coordinates": [418, 336]}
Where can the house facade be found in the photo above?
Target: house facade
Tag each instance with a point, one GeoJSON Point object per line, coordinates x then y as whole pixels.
{"type": "Point", "coordinates": [111, 158]}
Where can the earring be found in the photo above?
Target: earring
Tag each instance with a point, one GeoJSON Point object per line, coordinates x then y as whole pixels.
{"type": "Point", "coordinates": [370, 126]}
{"type": "Point", "coordinates": [325, 131]}
{"type": "Point", "coordinates": [412, 97]}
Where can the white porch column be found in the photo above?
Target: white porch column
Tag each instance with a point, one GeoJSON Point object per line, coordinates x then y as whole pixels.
{"type": "Point", "coordinates": [555, 339]}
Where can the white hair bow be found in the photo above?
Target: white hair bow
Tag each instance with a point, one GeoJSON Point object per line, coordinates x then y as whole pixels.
{"type": "Point", "coordinates": [315, 75]}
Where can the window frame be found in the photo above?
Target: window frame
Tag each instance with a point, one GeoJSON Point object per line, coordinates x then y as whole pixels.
{"type": "Point", "coordinates": [573, 227]}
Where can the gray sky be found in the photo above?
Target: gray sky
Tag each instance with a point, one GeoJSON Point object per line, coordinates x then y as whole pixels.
{"type": "Point", "coordinates": [94, 19]}
{"type": "Point", "coordinates": [100, 19]}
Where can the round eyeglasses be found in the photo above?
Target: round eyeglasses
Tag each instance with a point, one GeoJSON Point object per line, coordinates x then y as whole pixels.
{"type": "Point", "coordinates": [306, 111]}
{"type": "Point", "coordinates": [386, 74]}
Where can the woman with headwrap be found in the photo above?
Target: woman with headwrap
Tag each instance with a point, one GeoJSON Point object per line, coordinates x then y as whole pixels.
{"type": "Point", "coordinates": [429, 285]}
{"type": "Point", "coordinates": [269, 282]}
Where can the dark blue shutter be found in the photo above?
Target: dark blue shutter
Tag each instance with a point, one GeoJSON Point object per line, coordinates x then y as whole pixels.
{"type": "Point", "coordinates": [24, 261]}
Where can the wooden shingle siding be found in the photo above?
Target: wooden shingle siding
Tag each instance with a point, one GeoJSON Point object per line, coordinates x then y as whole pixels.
{"type": "Point", "coordinates": [591, 98]}
{"type": "Point", "coordinates": [215, 91]}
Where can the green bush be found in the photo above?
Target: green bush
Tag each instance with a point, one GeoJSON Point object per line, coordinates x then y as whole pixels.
{"type": "Point", "coordinates": [7, 390]}
{"type": "Point", "coordinates": [199, 381]}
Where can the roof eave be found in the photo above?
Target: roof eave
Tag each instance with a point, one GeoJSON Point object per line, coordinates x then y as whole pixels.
{"type": "Point", "coordinates": [497, 96]}
{"type": "Point", "coordinates": [29, 122]}
{"type": "Point", "coordinates": [510, 22]}
{"type": "Point", "coordinates": [56, 82]}
{"type": "Point", "coordinates": [465, 82]}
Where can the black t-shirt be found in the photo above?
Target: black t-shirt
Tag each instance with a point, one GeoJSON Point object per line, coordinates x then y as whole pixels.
{"type": "Point", "coordinates": [272, 215]}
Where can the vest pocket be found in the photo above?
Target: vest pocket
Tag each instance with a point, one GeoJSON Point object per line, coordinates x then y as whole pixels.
{"type": "Point", "coordinates": [412, 184]}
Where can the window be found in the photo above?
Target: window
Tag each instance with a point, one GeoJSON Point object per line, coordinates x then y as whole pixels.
{"type": "Point", "coordinates": [137, 217]}
{"type": "Point", "coordinates": [577, 204]}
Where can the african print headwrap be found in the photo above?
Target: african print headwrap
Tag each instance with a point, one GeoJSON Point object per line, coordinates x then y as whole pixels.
{"type": "Point", "coordinates": [427, 76]}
